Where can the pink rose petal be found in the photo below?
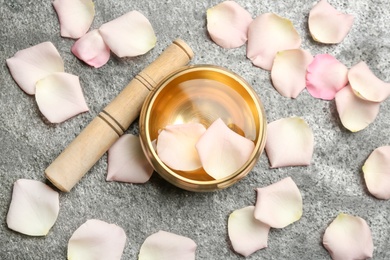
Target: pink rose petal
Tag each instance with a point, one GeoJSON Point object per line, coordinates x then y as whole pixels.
{"type": "Point", "coordinates": [325, 76]}
{"type": "Point", "coordinates": [75, 16]}
{"type": "Point", "coordinates": [288, 71]}
{"type": "Point", "coordinates": [246, 233]}
{"type": "Point", "coordinates": [290, 142]}
{"type": "Point", "coordinates": [376, 171]}
{"type": "Point", "coordinates": [280, 204]}
{"type": "Point", "coordinates": [59, 97]}
{"type": "Point", "coordinates": [127, 161]}
{"type": "Point", "coordinates": [129, 35]}
{"type": "Point", "coordinates": [32, 64]}
{"type": "Point", "coordinates": [327, 25]}
{"type": "Point", "coordinates": [348, 237]}
{"type": "Point", "coordinates": [98, 240]}
{"type": "Point", "coordinates": [91, 49]}
{"type": "Point", "coordinates": [167, 246]}
{"type": "Point", "coordinates": [267, 35]}
{"type": "Point", "coordinates": [228, 23]}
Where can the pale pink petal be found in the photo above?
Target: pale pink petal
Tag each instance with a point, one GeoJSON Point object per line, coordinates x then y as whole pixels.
{"type": "Point", "coordinates": [348, 237]}
{"type": "Point", "coordinates": [91, 49]}
{"type": "Point", "coordinates": [32, 64]}
{"type": "Point", "coordinates": [366, 85]}
{"type": "Point", "coordinates": [355, 113]}
{"type": "Point", "coordinates": [59, 97]}
{"type": "Point", "coordinates": [246, 233]}
{"type": "Point", "coordinates": [325, 76]}
{"type": "Point", "coordinates": [75, 16]}
{"type": "Point", "coordinates": [129, 35]}
{"type": "Point", "coordinates": [288, 71]}
{"type": "Point", "coordinates": [127, 161]}
{"type": "Point", "coordinates": [34, 208]}
{"type": "Point", "coordinates": [228, 23]}
{"type": "Point", "coordinates": [222, 151]}
{"type": "Point", "coordinates": [376, 171]}
{"type": "Point", "coordinates": [167, 246]}
{"type": "Point", "coordinates": [267, 35]}
{"type": "Point", "coordinates": [290, 142]}
{"type": "Point", "coordinates": [327, 25]}
{"type": "Point", "coordinates": [97, 240]}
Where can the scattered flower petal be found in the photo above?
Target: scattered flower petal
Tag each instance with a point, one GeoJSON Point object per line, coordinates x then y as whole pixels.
{"type": "Point", "coordinates": [75, 16]}
{"type": "Point", "coordinates": [267, 35]}
{"type": "Point", "coordinates": [129, 35]}
{"type": "Point", "coordinates": [366, 85]}
{"type": "Point", "coordinates": [228, 23]}
{"type": "Point", "coordinates": [222, 151]}
{"type": "Point", "coordinates": [280, 204]}
{"type": "Point", "coordinates": [34, 208]}
{"type": "Point", "coordinates": [348, 237]}
{"type": "Point", "coordinates": [91, 49]}
{"type": "Point", "coordinates": [289, 71]}
{"type": "Point", "coordinates": [32, 64]}
{"type": "Point", "coordinates": [376, 171]}
{"type": "Point", "coordinates": [325, 76]}
{"type": "Point", "coordinates": [290, 142]}
{"type": "Point", "coordinates": [167, 246]}
{"type": "Point", "coordinates": [327, 25]}
{"type": "Point", "coordinates": [95, 240]}
{"type": "Point", "coordinates": [59, 97]}
{"type": "Point", "coordinates": [246, 233]}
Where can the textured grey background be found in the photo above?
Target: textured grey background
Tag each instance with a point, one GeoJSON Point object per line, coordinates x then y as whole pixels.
{"type": "Point", "coordinates": [332, 184]}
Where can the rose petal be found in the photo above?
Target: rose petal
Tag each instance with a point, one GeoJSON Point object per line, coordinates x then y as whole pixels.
{"type": "Point", "coordinates": [222, 151]}
{"type": "Point", "coordinates": [355, 113]}
{"type": "Point", "coordinates": [327, 25]}
{"type": "Point", "coordinates": [34, 208]}
{"type": "Point", "coordinates": [91, 49]}
{"type": "Point", "coordinates": [366, 85]}
{"type": "Point", "coordinates": [267, 35]}
{"type": "Point", "coordinates": [228, 23]}
{"type": "Point", "coordinates": [176, 146]}
{"type": "Point", "coordinates": [246, 233]}
{"type": "Point", "coordinates": [75, 16]}
{"type": "Point", "coordinates": [280, 204]}
{"type": "Point", "coordinates": [32, 64]}
{"type": "Point", "coordinates": [59, 97]}
{"type": "Point", "coordinates": [290, 142]}
{"type": "Point", "coordinates": [289, 71]}
{"type": "Point", "coordinates": [348, 237]}
{"type": "Point", "coordinates": [376, 171]}
{"type": "Point", "coordinates": [129, 35]}
{"type": "Point", "coordinates": [95, 240]}
{"type": "Point", "coordinates": [325, 76]}
{"type": "Point", "coordinates": [127, 162]}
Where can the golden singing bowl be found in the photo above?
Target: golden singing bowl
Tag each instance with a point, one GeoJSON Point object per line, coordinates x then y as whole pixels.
{"type": "Point", "coordinates": [202, 94]}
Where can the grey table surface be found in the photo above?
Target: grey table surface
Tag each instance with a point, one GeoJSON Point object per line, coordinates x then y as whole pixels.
{"type": "Point", "coordinates": [332, 184]}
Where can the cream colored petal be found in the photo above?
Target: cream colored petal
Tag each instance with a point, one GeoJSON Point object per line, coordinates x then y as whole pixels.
{"type": "Point", "coordinates": [288, 73]}
{"type": "Point", "coordinates": [34, 208]}
{"type": "Point", "coordinates": [32, 64]}
{"type": "Point", "coordinates": [290, 142]}
{"type": "Point", "coordinates": [246, 233]}
{"type": "Point", "coordinates": [59, 97]}
{"type": "Point", "coordinates": [327, 25]}
{"type": "Point", "coordinates": [129, 35]}
{"type": "Point", "coordinates": [280, 204]}
{"type": "Point", "coordinates": [348, 237]}
{"type": "Point", "coordinates": [97, 240]}
{"type": "Point", "coordinates": [267, 35]}
{"type": "Point", "coordinates": [228, 23]}
{"type": "Point", "coordinates": [355, 113]}
{"type": "Point", "coordinates": [167, 246]}
{"type": "Point", "coordinates": [376, 171]}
